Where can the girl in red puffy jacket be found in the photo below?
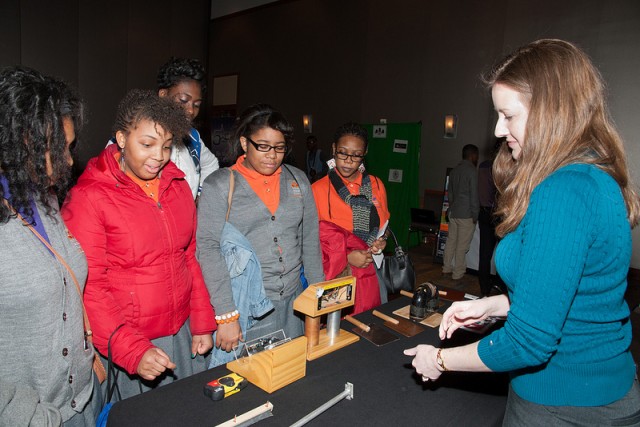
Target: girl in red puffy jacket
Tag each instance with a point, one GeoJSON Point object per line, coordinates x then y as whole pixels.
{"type": "Point", "coordinates": [134, 216]}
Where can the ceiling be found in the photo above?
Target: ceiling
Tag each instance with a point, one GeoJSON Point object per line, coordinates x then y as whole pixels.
{"type": "Point", "coordinates": [227, 7]}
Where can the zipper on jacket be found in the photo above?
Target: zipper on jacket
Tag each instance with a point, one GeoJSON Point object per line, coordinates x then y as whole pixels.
{"type": "Point", "coordinates": [170, 250]}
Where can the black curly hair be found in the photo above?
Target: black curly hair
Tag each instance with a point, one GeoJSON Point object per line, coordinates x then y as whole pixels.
{"type": "Point", "coordinates": [140, 105]}
{"type": "Point", "coordinates": [254, 118]}
{"type": "Point", "coordinates": [177, 70]}
{"type": "Point", "coordinates": [32, 109]}
{"type": "Point", "coordinates": [351, 128]}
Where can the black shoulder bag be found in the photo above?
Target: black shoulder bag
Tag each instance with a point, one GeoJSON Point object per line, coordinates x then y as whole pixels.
{"type": "Point", "coordinates": [396, 271]}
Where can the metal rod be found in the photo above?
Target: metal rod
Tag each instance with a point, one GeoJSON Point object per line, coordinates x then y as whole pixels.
{"type": "Point", "coordinates": [347, 393]}
{"type": "Point", "coordinates": [333, 324]}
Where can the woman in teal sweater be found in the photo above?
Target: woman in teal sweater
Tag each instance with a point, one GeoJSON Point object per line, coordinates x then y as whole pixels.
{"type": "Point", "coordinates": [567, 207]}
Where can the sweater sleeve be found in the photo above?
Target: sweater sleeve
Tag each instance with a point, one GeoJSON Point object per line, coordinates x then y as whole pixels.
{"type": "Point", "coordinates": [383, 210]}
{"type": "Point", "coordinates": [311, 253]}
{"type": "Point", "coordinates": [202, 317]}
{"type": "Point", "coordinates": [208, 162]}
{"type": "Point", "coordinates": [556, 234]}
{"type": "Point", "coordinates": [212, 210]}
{"type": "Point", "coordinates": [21, 406]}
{"type": "Point", "coordinates": [86, 223]}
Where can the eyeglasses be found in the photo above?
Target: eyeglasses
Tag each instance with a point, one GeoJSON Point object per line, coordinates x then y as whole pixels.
{"type": "Point", "coordinates": [354, 157]}
{"type": "Point", "coordinates": [265, 148]}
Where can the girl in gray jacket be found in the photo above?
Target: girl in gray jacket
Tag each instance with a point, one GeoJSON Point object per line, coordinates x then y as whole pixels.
{"type": "Point", "coordinates": [45, 375]}
{"type": "Point", "coordinates": [273, 207]}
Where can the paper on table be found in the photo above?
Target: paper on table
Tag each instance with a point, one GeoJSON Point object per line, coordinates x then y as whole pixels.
{"type": "Point", "coordinates": [377, 258]}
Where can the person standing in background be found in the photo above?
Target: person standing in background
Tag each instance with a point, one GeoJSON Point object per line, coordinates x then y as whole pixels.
{"type": "Point", "coordinates": [183, 81]}
{"type": "Point", "coordinates": [315, 161]}
{"type": "Point", "coordinates": [463, 212]}
{"type": "Point", "coordinates": [353, 213]}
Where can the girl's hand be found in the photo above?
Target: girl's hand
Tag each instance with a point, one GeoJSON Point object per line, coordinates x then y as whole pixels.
{"type": "Point", "coordinates": [153, 363]}
{"type": "Point", "coordinates": [228, 335]}
{"type": "Point", "coordinates": [378, 245]}
{"type": "Point", "coordinates": [360, 258]}
{"type": "Point", "coordinates": [200, 344]}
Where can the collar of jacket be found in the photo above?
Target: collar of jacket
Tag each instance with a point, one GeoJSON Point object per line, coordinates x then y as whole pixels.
{"type": "Point", "coordinates": [107, 165]}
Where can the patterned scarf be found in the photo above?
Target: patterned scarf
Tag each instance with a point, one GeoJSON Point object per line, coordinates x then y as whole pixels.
{"type": "Point", "coordinates": [365, 215]}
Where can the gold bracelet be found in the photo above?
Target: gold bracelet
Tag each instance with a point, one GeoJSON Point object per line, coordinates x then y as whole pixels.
{"type": "Point", "coordinates": [440, 361]}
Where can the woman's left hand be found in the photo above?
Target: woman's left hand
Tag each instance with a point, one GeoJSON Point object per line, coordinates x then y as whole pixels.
{"type": "Point", "coordinates": [425, 361]}
{"type": "Point", "coordinates": [378, 245]}
{"type": "Point", "coordinates": [200, 344]}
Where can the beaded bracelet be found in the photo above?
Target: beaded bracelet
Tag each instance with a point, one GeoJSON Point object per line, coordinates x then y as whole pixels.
{"type": "Point", "coordinates": [228, 318]}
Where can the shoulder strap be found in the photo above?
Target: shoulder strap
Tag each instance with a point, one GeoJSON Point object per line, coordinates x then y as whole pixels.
{"type": "Point", "coordinates": [195, 135]}
{"type": "Point", "coordinates": [232, 183]}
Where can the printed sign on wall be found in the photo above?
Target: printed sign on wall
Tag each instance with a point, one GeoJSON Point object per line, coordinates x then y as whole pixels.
{"type": "Point", "coordinates": [380, 131]}
{"type": "Point", "coordinates": [395, 175]}
{"type": "Point", "coordinates": [400, 146]}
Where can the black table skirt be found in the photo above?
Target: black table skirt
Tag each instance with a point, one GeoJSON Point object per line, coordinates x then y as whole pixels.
{"type": "Point", "coordinates": [386, 391]}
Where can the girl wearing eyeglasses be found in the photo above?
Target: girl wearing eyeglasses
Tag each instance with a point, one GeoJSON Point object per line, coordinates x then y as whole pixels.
{"type": "Point", "coordinates": [271, 228]}
{"type": "Point", "coordinates": [352, 208]}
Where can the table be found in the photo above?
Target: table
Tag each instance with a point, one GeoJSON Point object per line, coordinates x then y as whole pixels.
{"type": "Point", "coordinates": [386, 391]}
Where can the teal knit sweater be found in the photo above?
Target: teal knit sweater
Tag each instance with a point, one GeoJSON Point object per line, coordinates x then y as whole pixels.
{"type": "Point", "coordinates": [567, 335]}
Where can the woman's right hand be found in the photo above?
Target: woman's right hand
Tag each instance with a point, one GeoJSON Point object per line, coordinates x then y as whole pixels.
{"type": "Point", "coordinates": [153, 363]}
{"type": "Point", "coordinates": [360, 258]}
{"type": "Point", "coordinates": [228, 335]}
{"type": "Point", "coordinates": [463, 313]}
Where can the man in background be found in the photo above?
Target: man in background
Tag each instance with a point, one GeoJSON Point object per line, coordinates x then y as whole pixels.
{"type": "Point", "coordinates": [316, 165]}
{"type": "Point", "coordinates": [463, 212]}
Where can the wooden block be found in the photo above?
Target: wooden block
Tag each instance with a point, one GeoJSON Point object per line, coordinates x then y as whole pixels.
{"type": "Point", "coordinates": [326, 297]}
{"type": "Point", "coordinates": [433, 320]}
{"type": "Point", "coordinates": [273, 369]}
{"type": "Point", "coordinates": [327, 345]}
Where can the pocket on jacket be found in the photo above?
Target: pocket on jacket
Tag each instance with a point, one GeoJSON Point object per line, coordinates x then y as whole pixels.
{"type": "Point", "coordinates": [132, 310]}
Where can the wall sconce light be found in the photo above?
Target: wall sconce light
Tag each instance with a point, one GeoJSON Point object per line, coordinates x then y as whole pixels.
{"type": "Point", "coordinates": [450, 125]}
{"type": "Point", "coordinates": [307, 122]}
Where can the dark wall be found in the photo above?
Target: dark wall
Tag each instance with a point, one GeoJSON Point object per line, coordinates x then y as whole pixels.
{"type": "Point", "coordinates": [409, 60]}
{"type": "Point", "coordinates": [403, 61]}
{"type": "Point", "coordinates": [416, 60]}
{"type": "Point", "coordinates": [102, 48]}
{"type": "Point", "coordinates": [301, 57]}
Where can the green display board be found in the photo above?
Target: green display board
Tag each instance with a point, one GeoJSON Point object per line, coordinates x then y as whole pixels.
{"type": "Point", "coordinates": [394, 157]}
